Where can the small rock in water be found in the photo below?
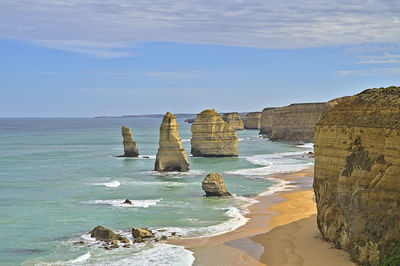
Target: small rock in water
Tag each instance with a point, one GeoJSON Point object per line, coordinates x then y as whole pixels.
{"type": "Point", "coordinates": [126, 246]}
{"type": "Point", "coordinates": [127, 201]}
{"type": "Point", "coordinates": [103, 234]}
{"type": "Point", "coordinates": [146, 157]}
{"type": "Point", "coordinates": [123, 239]}
{"type": "Point", "coordinates": [163, 238]}
{"type": "Point", "coordinates": [141, 232]}
{"type": "Point", "coordinates": [79, 243]}
{"type": "Point", "coordinates": [173, 233]}
{"type": "Point", "coordinates": [214, 185]}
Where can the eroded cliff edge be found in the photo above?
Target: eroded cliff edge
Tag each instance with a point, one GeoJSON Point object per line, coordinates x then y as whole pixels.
{"type": "Point", "coordinates": [170, 156]}
{"type": "Point", "coordinates": [234, 119]}
{"type": "Point", "coordinates": [212, 136]}
{"type": "Point", "coordinates": [252, 120]}
{"type": "Point", "coordinates": [296, 122]}
{"type": "Point", "coordinates": [267, 115]}
{"type": "Point", "coordinates": [357, 174]}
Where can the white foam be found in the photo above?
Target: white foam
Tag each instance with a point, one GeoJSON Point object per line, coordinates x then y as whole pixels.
{"type": "Point", "coordinates": [236, 220]}
{"type": "Point", "coordinates": [274, 163]}
{"type": "Point", "coordinates": [280, 185]}
{"type": "Point", "coordinates": [119, 203]}
{"type": "Point", "coordinates": [185, 140]}
{"type": "Point", "coordinates": [109, 184]}
{"type": "Point", "coordinates": [307, 145]}
{"type": "Point", "coordinates": [82, 258]}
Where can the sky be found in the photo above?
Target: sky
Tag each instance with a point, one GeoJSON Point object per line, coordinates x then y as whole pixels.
{"type": "Point", "coordinates": [85, 58]}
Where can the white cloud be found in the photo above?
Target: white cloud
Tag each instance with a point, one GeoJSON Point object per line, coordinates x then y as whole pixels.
{"type": "Point", "coordinates": [253, 23]}
{"type": "Point", "coordinates": [386, 58]}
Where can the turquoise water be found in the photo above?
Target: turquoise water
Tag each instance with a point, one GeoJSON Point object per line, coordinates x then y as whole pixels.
{"type": "Point", "coordinates": [60, 178]}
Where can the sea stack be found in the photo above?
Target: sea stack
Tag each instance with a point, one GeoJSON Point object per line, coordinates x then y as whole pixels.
{"type": "Point", "coordinates": [252, 120]}
{"type": "Point", "coordinates": [267, 115]}
{"type": "Point", "coordinates": [212, 137]}
{"type": "Point", "coordinates": [357, 169]}
{"type": "Point", "coordinates": [130, 148]}
{"type": "Point", "coordinates": [170, 156]}
{"type": "Point", "coordinates": [214, 185]}
{"type": "Point", "coordinates": [296, 122]}
{"type": "Point", "coordinates": [234, 120]}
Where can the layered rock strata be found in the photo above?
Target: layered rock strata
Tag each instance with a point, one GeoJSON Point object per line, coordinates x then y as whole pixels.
{"type": "Point", "coordinates": [267, 115]}
{"type": "Point", "coordinates": [130, 148]}
{"type": "Point", "coordinates": [296, 122]}
{"type": "Point", "coordinates": [170, 156]}
{"type": "Point", "coordinates": [252, 120]}
{"type": "Point", "coordinates": [234, 119]}
{"type": "Point", "coordinates": [214, 185]}
{"type": "Point", "coordinates": [357, 169]}
{"type": "Point", "coordinates": [212, 137]}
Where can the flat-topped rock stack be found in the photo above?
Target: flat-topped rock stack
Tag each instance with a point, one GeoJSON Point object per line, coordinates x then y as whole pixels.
{"type": "Point", "coordinates": [170, 156]}
{"type": "Point", "coordinates": [234, 119]}
{"type": "Point", "coordinates": [252, 120]}
{"type": "Point", "coordinates": [212, 136]}
{"type": "Point", "coordinates": [296, 122]}
{"type": "Point", "coordinates": [130, 147]}
{"type": "Point", "coordinates": [267, 116]}
{"type": "Point", "coordinates": [357, 171]}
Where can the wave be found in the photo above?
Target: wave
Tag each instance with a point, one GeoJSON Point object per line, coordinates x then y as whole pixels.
{"type": "Point", "coordinates": [274, 163]}
{"type": "Point", "coordinates": [82, 258]}
{"type": "Point", "coordinates": [280, 185]}
{"type": "Point", "coordinates": [306, 145]}
{"type": "Point", "coordinates": [79, 260]}
{"type": "Point", "coordinates": [119, 203]}
{"type": "Point", "coordinates": [112, 184]}
{"type": "Point", "coordinates": [185, 140]}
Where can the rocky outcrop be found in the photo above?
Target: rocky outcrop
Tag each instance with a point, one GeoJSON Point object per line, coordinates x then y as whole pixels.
{"type": "Point", "coordinates": [140, 234]}
{"type": "Point", "coordinates": [130, 148]}
{"type": "Point", "coordinates": [267, 115]}
{"type": "Point", "coordinates": [357, 169]}
{"type": "Point", "coordinates": [212, 137]}
{"type": "Point", "coordinates": [234, 119]}
{"type": "Point", "coordinates": [103, 234]}
{"type": "Point", "coordinates": [214, 185]}
{"type": "Point", "coordinates": [170, 156]}
{"type": "Point", "coordinates": [296, 122]}
{"type": "Point", "coordinates": [252, 120]}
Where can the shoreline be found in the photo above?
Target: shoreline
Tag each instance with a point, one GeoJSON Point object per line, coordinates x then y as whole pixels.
{"type": "Point", "coordinates": [272, 218]}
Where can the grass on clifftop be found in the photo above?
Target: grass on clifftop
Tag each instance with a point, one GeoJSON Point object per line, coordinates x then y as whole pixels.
{"type": "Point", "coordinates": [392, 259]}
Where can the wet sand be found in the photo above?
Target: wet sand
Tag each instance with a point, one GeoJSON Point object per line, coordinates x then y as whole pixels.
{"type": "Point", "coordinates": [281, 230]}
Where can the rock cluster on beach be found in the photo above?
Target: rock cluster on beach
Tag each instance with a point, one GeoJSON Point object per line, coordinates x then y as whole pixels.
{"type": "Point", "coordinates": [130, 148]}
{"type": "Point", "coordinates": [296, 122]}
{"type": "Point", "coordinates": [252, 120]}
{"type": "Point", "coordinates": [267, 115]}
{"type": "Point", "coordinates": [108, 236]}
{"type": "Point", "coordinates": [234, 119]}
{"type": "Point", "coordinates": [214, 185]}
{"type": "Point", "coordinates": [357, 169]}
{"type": "Point", "coordinates": [212, 136]}
{"type": "Point", "coordinates": [170, 156]}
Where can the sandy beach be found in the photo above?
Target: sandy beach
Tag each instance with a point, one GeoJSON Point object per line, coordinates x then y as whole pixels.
{"type": "Point", "coordinates": [281, 230]}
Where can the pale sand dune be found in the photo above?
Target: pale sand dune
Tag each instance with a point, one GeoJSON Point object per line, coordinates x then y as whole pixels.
{"type": "Point", "coordinates": [282, 230]}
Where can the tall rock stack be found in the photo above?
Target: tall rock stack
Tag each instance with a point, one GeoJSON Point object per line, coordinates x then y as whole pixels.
{"type": "Point", "coordinates": [296, 122]}
{"type": "Point", "coordinates": [170, 156]}
{"type": "Point", "coordinates": [234, 120]}
{"type": "Point", "coordinates": [357, 171]}
{"type": "Point", "coordinates": [130, 148]}
{"type": "Point", "coordinates": [212, 137]}
{"type": "Point", "coordinates": [252, 120]}
{"type": "Point", "coordinates": [267, 115]}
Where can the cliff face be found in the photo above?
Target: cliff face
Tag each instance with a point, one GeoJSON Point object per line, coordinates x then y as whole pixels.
{"type": "Point", "coordinates": [170, 156]}
{"type": "Point", "coordinates": [234, 120]}
{"type": "Point", "coordinates": [130, 148]}
{"type": "Point", "coordinates": [252, 120]}
{"type": "Point", "coordinates": [212, 137]}
{"type": "Point", "coordinates": [296, 122]}
{"type": "Point", "coordinates": [267, 115]}
{"type": "Point", "coordinates": [357, 171]}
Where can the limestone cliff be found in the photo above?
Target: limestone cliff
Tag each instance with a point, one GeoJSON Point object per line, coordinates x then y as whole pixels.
{"type": "Point", "coordinates": [296, 122]}
{"type": "Point", "coordinates": [267, 115]}
{"type": "Point", "coordinates": [212, 137]}
{"type": "Point", "coordinates": [252, 120]}
{"type": "Point", "coordinates": [170, 156]}
{"type": "Point", "coordinates": [130, 148]}
{"type": "Point", "coordinates": [357, 169]}
{"type": "Point", "coordinates": [234, 120]}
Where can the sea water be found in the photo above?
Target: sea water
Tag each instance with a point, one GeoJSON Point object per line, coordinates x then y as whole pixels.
{"type": "Point", "coordinates": [61, 177]}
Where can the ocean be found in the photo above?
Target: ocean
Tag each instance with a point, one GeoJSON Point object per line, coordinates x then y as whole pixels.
{"type": "Point", "coordinates": [61, 177]}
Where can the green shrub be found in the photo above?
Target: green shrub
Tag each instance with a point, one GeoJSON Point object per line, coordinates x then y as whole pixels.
{"type": "Point", "coordinates": [392, 259]}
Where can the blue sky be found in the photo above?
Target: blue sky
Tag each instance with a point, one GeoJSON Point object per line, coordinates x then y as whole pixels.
{"type": "Point", "coordinates": [88, 58]}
